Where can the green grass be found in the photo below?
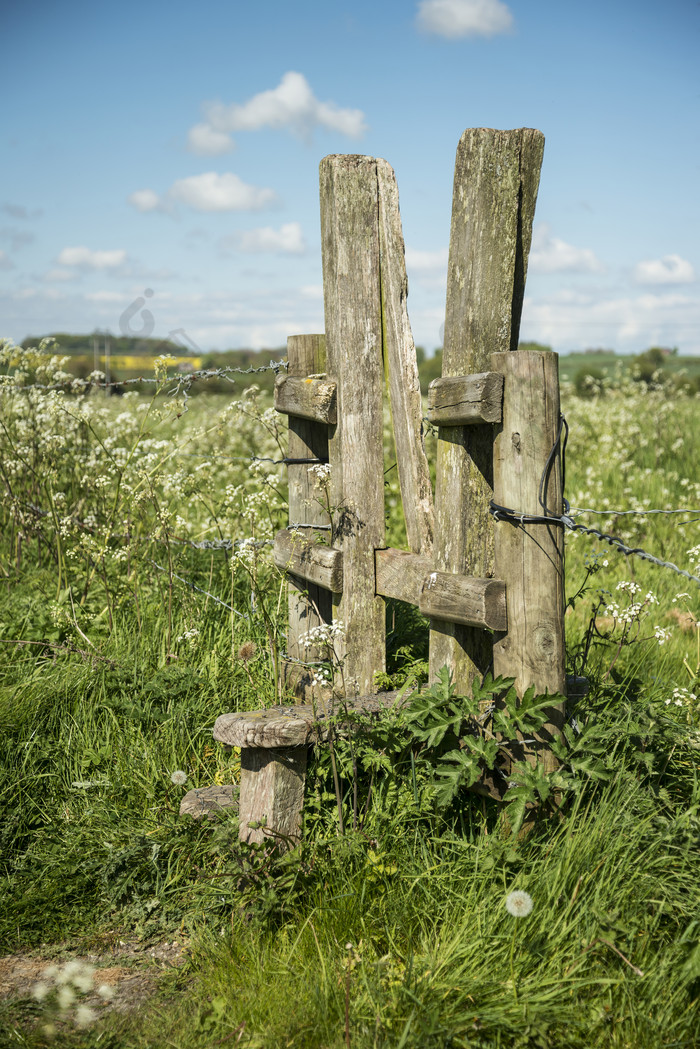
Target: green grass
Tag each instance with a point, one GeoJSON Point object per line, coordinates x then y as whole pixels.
{"type": "Point", "coordinates": [113, 672]}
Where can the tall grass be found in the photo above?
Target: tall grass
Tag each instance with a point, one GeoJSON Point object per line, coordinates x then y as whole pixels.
{"type": "Point", "coordinates": [397, 934]}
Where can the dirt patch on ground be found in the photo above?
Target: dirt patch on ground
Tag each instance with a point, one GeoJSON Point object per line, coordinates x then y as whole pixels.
{"type": "Point", "coordinates": [130, 970]}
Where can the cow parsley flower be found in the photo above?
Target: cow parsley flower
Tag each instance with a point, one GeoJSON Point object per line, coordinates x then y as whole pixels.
{"type": "Point", "coordinates": [84, 1015]}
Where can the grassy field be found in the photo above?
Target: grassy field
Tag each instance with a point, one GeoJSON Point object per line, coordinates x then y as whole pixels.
{"type": "Point", "coordinates": [605, 364]}
{"type": "Point", "coordinates": [129, 619]}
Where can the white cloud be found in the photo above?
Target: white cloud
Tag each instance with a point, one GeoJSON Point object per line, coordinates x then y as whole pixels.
{"type": "Point", "coordinates": [84, 258]}
{"type": "Point", "coordinates": [671, 269]}
{"type": "Point", "coordinates": [213, 192]}
{"type": "Point", "coordinates": [206, 141]}
{"type": "Point", "coordinates": [426, 261]}
{"type": "Point", "coordinates": [206, 192]}
{"type": "Point", "coordinates": [572, 321]}
{"type": "Point", "coordinates": [292, 104]}
{"type": "Point", "coordinates": [551, 255]}
{"type": "Point", "coordinates": [287, 240]}
{"type": "Point", "coordinates": [146, 200]}
{"type": "Point", "coordinates": [5, 261]}
{"type": "Point", "coordinates": [458, 18]}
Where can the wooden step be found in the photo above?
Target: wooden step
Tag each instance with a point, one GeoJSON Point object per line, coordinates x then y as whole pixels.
{"type": "Point", "coordinates": [295, 726]}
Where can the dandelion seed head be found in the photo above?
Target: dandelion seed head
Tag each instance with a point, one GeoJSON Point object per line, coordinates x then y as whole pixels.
{"type": "Point", "coordinates": [179, 778]}
{"type": "Point", "coordinates": [518, 903]}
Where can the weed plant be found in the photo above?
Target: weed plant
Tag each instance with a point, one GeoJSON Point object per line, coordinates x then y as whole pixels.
{"type": "Point", "coordinates": [138, 600]}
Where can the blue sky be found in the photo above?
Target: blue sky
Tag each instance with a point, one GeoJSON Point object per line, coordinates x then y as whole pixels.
{"type": "Point", "coordinates": [175, 147]}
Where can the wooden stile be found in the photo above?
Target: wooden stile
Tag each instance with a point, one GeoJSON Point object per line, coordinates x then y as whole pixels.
{"type": "Point", "coordinates": [493, 589]}
{"type": "Point", "coordinates": [353, 315]}
{"type": "Point", "coordinates": [495, 188]}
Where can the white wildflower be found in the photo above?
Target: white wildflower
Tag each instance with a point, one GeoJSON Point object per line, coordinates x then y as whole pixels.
{"type": "Point", "coordinates": [631, 588]}
{"type": "Point", "coordinates": [325, 634]}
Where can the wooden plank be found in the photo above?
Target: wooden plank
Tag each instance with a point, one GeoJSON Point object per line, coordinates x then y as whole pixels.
{"type": "Point", "coordinates": [400, 574]}
{"type": "Point", "coordinates": [353, 321]}
{"type": "Point", "coordinates": [310, 561]}
{"type": "Point", "coordinates": [495, 188]}
{"type": "Point", "coordinates": [312, 397]}
{"type": "Point", "coordinates": [302, 725]}
{"type": "Point", "coordinates": [530, 557]}
{"type": "Point", "coordinates": [309, 605]}
{"type": "Point", "coordinates": [402, 371]}
{"type": "Point", "coordinates": [462, 400]}
{"type": "Point", "coordinates": [459, 599]}
{"type": "Point", "coordinates": [272, 792]}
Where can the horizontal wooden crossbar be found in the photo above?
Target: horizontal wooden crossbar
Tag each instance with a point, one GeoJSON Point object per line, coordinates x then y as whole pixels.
{"type": "Point", "coordinates": [440, 595]}
{"type": "Point", "coordinates": [310, 397]}
{"type": "Point", "coordinates": [309, 560]}
{"type": "Point", "coordinates": [403, 576]}
{"type": "Point", "coordinates": [462, 400]}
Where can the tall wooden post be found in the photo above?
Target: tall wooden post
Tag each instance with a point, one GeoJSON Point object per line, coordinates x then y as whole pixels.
{"type": "Point", "coordinates": [530, 557]}
{"type": "Point", "coordinates": [353, 321]}
{"type": "Point", "coordinates": [495, 188]}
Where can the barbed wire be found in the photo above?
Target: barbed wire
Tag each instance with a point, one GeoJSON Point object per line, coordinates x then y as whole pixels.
{"type": "Point", "coordinates": [192, 586]}
{"type": "Point", "coordinates": [504, 513]}
{"type": "Point", "coordinates": [624, 513]}
{"type": "Point", "coordinates": [74, 384]}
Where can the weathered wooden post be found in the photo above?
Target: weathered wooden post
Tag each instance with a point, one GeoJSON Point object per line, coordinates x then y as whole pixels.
{"type": "Point", "coordinates": [401, 368]}
{"type": "Point", "coordinates": [495, 188]}
{"type": "Point", "coordinates": [529, 556]}
{"type": "Point", "coordinates": [353, 320]}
